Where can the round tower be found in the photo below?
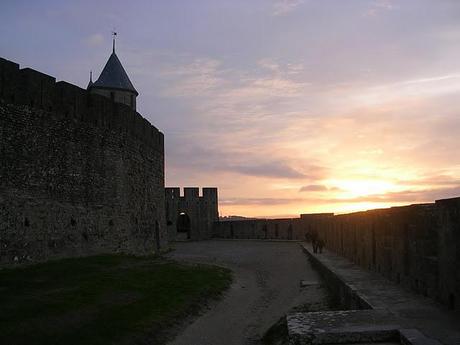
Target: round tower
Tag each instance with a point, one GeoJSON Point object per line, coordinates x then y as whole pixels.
{"type": "Point", "coordinates": [114, 82]}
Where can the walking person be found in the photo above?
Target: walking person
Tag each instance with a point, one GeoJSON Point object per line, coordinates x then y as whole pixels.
{"type": "Point", "coordinates": [320, 244]}
{"type": "Point", "coordinates": [314, 240]}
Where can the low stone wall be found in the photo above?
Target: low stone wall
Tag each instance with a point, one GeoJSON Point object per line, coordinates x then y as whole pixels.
{"type": "Point", "coordinates": [281, 229]}
{"type": "Point", "coordinates": [416, 246]}
{"type": "Point", "coordinates": [275, 229]}
{"type": "Point", "coordinates": [378, 306]}
{"type": "Point", "coordinates": [345, 296]}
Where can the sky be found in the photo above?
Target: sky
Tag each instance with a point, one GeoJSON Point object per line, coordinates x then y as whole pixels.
{"type": "Point", "coordinates": [287, 106]}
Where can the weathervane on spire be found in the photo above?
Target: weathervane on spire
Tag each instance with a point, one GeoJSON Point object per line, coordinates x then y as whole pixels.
{"type": "Point", "coordinates": [114, 34]}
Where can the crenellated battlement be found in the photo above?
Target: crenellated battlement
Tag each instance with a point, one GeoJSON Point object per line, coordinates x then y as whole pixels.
{"type": "Point", "coordinates": [191, 193]}
{"type": "Point", "coordinates": [31, 88]}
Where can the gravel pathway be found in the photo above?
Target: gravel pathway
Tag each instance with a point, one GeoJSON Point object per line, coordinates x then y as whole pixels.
{"type": "Point", "coordinates": [266, 286]}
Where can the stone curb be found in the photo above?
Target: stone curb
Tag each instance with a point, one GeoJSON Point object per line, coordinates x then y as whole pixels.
{"type": "Point", "coordinates": [303, 328]}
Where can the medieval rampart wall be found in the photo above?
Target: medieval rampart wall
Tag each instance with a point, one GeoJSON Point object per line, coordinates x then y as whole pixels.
{"type": "Point", "coordinates": [275, 229]}
{"type": "Point", "coordinates": [79, 174]}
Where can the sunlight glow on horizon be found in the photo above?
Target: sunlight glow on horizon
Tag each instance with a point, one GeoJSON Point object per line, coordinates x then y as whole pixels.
{"type": "Point", "coordinates": [328, 208]}
{"type": "Point", "coordinates": [358, 188]}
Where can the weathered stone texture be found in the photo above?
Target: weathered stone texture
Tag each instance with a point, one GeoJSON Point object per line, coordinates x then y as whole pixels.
{"type": "Point", "coordinates": [79, 174]}
{"type": "Point", "coordinates": [449, 252]}
{"type": "Point", "coordinates": [404, 244]}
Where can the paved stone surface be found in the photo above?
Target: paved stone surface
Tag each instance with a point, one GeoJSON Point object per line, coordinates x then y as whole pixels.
{"type": "Point", "coordinates": [408, 310]}
{"type": "Point", "coordinates": [337, 327]}
{"type": "Point", "coordinates": [266, 286]}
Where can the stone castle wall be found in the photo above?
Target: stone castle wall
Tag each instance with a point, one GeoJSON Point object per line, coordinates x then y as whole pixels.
{"type": "Point", "coordinates": [280, 229]}
{"type": "Point", "coordinates": [118, 96]}
{"type": "Point", "coordinates": [417, 246]}
{"type": "Point", "coordinates": [274, 229]}
{"type": "Point", "coordinates": [79, 174]}
{"type": "Point", "coordinates": [201, 211]}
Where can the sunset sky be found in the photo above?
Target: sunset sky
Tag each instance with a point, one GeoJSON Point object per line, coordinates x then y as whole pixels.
{"type": "Point", "coordinates": [287, 106]}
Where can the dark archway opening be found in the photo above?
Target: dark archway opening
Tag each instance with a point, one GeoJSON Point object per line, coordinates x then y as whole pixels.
{"type": "Point", "coordinates": [451, 301]}
{"type": "Point", "coordinates": [183, 226]}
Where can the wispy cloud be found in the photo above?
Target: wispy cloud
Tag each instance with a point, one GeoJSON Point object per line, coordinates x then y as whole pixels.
{"type": "Point", "coordinates": [268, 169]}
{"type": "Point", "coordinates": [379, 6]}
{"type": "Point", "coordinates": [263, 129]}
{"type": "Point", "coordinates": [257, 201]}
{"type": "Point", "coordinates": [283, 7]}
{"type": "Point", "coordinates": [208, 78]}
{"type": "Point", "coordinates": [226, 160]}
{"type": "Point", "coordinates": [406, 196]}
{"type": "Point", "coordinates": [95, 40]}
{"type": "Point", "coordinates": [434, 180]}
{"type": "Point", "coordinates": [431, 79]}
{"type": "Point", "coordinates": [196, 78]}
{"type": "Point", "coordinates": [314, 188]}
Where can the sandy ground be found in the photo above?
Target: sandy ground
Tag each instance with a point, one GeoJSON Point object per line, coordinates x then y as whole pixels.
{"type": "Point", "coordinates": [266, 286]}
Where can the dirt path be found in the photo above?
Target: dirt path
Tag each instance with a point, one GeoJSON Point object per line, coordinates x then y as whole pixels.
{"type": "Point", "coordinates": [266, 285]}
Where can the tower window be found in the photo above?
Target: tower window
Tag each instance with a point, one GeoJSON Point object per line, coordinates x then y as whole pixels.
{"type": "Point", "coordinates": [112, 96]}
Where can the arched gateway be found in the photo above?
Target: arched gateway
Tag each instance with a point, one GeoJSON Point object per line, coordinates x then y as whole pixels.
{"type": "Point", "coordinates": [183, 226]}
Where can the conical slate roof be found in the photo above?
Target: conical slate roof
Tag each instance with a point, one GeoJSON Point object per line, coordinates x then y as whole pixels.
{"type": "Point", "coordinates": [114, 76]}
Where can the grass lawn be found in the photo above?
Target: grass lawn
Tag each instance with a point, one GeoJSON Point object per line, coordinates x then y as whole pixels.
{"type": "Point", "coordinates": [110, 299]}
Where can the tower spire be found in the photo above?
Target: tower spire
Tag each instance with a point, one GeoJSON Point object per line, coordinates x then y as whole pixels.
{"type": "Point", "coordinates": [114, 34]}
{"type": "Point", "coordinates": [113, 82]}
{"type": "Point", "coordinates": [90, 83]}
